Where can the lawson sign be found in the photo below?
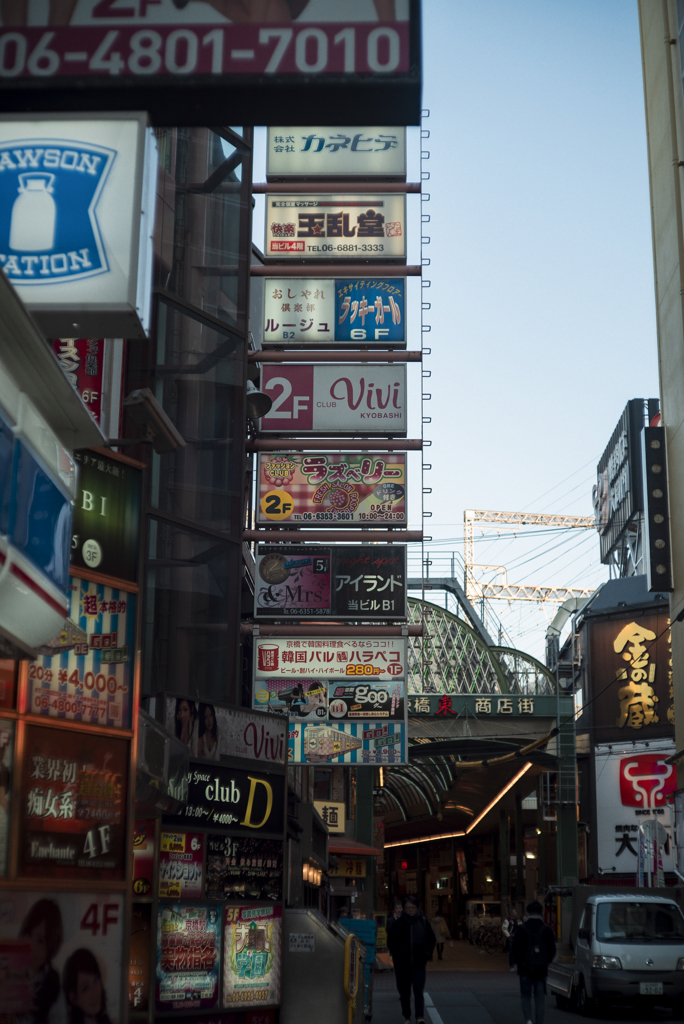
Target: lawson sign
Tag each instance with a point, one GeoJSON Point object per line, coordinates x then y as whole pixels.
{"type": "Point", "coordinates": [335, 399]}
{"type": "Point", "coordinates": [73, 241]}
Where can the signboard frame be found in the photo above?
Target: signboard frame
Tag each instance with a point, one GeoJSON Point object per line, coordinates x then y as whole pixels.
{"type": "Point", "coordinates": [284, 161]}
{"type": "Point", "coordinates": [618, 493]}
{"type": "Point", "coordinates": [343, 226]}
{"type": "Point", "coordinates": [189, 98]}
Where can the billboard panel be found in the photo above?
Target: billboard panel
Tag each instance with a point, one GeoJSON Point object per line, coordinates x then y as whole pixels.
{"type": "Point", "coordinates": [222, 796]}
{"type": "Point", "coordinates": [91, 680]}
{"type": "Point", "coordinates": [317, 699]}
{"type": "Point", "coordinates": [106, 515]}
{"type": "Point", "coordinates": [188, 957]}
{"type": "Point", "coordinates": [331, 398]}
{"type": "Point", "coordinates": [379, 658]}
{"type": "Point", "coordinates": [241, 868]}
{"type": "Point", "coordinates": [73, 805]}
{"type": "Point", "coordinates": [339, 227]}
{"type": "Point", "coordinates": [336, 153]}
{"type": "Point", "coordinates": [325, 490]}
{"type": "Point", "coordinates": [617, 494]}
{"type": "Point", "coordinates": [348, 743]}
{"type": "Point", "coordinates": [251, 956]}
{"type": "Point", "coordinates": [192, 61]}
{"type": "Point", "coordinates": [317, 311]}
{"type": "Point", "coordinates": [340, 581]}
{"type": "Point", "coordinates": [632, 787]}
{"type": "Point", "coordinates": [83, 934]}
{"type": "Point", "coordinates": [209, 731]}
{"type": "Point", "coordinates": [180, 864]}
{"type": "Point", "coordinates": [76, 216]}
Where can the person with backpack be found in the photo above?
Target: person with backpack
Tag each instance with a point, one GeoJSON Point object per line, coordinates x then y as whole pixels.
{"type": "Point", "coordinates": [534, 947]}
{"type": "Point", "coordinates": [411, 942]}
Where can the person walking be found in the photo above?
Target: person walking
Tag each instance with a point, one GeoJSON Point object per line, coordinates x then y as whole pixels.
{"type": "Point", "coordinates": [411, 942]}
{"type": "Point", "coordinates": [534, 947]}
{"type": "Point", "coordinates": [509, 928]}
{"type": "Point", "coordinates": [441, 930]}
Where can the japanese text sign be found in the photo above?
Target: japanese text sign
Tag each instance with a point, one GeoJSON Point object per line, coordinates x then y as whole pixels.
{"type": "Point", "coordinates": [143, 856]}
{"type": "Point", "coordinates": [342, 581]}
{"type": "Point", "coordinates": [106, 516]}
{"type": "Point", "coordinates": [203, 57]}
{"type": "Point", "coordinates": [336, 153]}
{"type": "Point", "coordinates": [251, 956]}
{"type": "Point", "coordinates": [347, 227]}
{"type": "Point", "coordinates": [82, 360]}
{"type": "Point", "coordinates": [327, 489]}
{"type": "Point", "coordinates": [222, 796]}
{"type": "Point", "coordinates": [210, 730]}
{"type": "Point", "coordinates": [311, 311]}
{"type": "Point", "coordinates": [188, 957]}
{"type": "Point", "coordinates": [632, 677]}
{"type": "Point", "coordinates": [180, 864]}
{"type": "Point", "coordinates": [333, 814]}
{"type": "Point", "coordinates": [91, 680]}
{"type": "Point", "coordinates": [349, 867]}
{"type": "Point", "coordinates": [630, 791]}
{"type": "Point", "coordinates": [488, 705]}
{"type": "Point", "coordinates": [617, 493]}
{"type": "Point", "coordinates": [335, 399]}
{"type": "Point", "coordinates": [240, 868]}
{"type": "Point", "coordinates": [73, 801]}
{"type": "Point", "coordinates": [382, 658]}
{"type": "Point", "coordinates": [319, 699]}
{"type": "Point", "coordinates": [348, 743]}
{"type": "Point", "coordinates": [83, 939]}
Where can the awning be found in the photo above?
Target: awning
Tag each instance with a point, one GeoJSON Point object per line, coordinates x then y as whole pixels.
{"type": "Point", "coordinates": [350, 848]}
{"type": "Point", "coordinates": [28, 360]}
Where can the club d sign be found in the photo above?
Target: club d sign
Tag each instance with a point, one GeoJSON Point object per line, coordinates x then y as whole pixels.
{"type": "Point", "coordinates": [222, 796]}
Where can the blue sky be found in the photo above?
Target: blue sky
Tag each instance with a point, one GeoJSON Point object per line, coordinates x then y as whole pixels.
{"type": "Point", "coordinates": [543, 321]}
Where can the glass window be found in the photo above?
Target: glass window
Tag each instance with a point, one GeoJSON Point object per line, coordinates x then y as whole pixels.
{"type": "Point", "coordinates": [639, 922]}
{"type": "Point", "coordinates": [191, 588]}
{"type": "Point", "coordinates": [40, 519]}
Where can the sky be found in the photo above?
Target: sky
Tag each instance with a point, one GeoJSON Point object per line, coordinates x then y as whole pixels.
{"type": "Point", "coordinates": [542, 301]}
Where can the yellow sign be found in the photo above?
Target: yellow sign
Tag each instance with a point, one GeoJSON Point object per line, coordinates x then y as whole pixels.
{"type": "Point", "coordinates": [349, 867]}
{"type": "Point", "coordinates": [637, 697]}
{"type": "Point", "coordinates": [332, 813]}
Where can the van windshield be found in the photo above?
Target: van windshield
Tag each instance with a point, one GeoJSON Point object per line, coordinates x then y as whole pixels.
{"type": "Point", "coordinates": [639, 922]}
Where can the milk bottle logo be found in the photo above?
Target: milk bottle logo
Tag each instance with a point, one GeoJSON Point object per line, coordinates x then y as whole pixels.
{"type": "Point", "coordinates": [50, 190]}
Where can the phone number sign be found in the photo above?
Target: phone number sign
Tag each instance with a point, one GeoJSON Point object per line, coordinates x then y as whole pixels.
{"type": "Point", "coordinates": [336, 227]}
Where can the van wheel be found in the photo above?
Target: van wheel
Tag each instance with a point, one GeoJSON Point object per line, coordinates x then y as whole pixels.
{"type": "Point", "coordinates": [585, 1005]}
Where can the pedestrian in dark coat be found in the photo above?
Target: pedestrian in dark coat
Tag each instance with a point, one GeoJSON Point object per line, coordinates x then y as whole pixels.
{"type": "Point", "coordinates": [411, 943]}
{"type": "Point", "coordinates": [534, 947]}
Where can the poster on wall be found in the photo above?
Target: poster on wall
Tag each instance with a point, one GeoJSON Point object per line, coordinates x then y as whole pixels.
{"type": "Point", "coordinates": [325, 490]}
{"type": "Point", "coordinates": [341, 581]}
{"type": "Point", "coordinates": [632, 787]}
{"type": "Point", "coordinates": [188, 957]}
{"type": "Point", "coordinates": [348, 743]}
{"type": "Point", "coordinates": [70, 936]}
{"type": "Point", "coordinates": [241, 868]}
{"type": "Point", "coordinates": [143, 856]}
{"type": "Point", "coordinates": [106, 516]}
{"type": "Point", "coordinates": [318, 699]}
{"type": "Point", "coordinates": [341, 227]}
{"type": "Point", "coordinates": [318, 311]}
{"type": "Point", "coordinates": [139, 966]}
{"type": "Point", "coordinates": [82, 360]}
{"type": "Point", "coordinates": [210, 731]}
{"type": "Point", "coordinates": [286, 697]}
{"type": "Point", "coordinates": [73, 805]}
{"type": "Point", "coordinates": [251, 956]}
{"type": "Point", "coordinates": [336, 152]}
{"type": "Point", "coordinates": [90, 680]}
{"type": "Point", "coordinates": [334, 399]}
{"type": "Point", "coordinates": [180, 864]}
{"type": "Point", "coordinates": [379, 658]}
{"type": "Point", "coordinates": [6, 771]}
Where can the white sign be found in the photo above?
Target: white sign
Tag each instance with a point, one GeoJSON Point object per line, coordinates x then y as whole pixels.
{"type": "Point", "coordinates": [345, 310]}
{"type": "Point", "coordinates": [336, 153]}
{"type": "Point", "coordinates": [632, 785]}
{"type": "Point", "coordinates": [350, 658]}
{"type": "Point", "coordinates": [323, 227]}
{"type": "Point", "coordinates": [77, 199]}
{"type": "Point", "coordinates": [302, 942]}
{"type": "Point", "coordinates": [333, 398]}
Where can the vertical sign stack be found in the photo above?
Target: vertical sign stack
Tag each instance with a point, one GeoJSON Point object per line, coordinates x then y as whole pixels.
{"type": "Point", "coordinates": [332, 483]}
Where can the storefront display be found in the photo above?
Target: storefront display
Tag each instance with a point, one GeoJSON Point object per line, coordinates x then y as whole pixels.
{"type": "Point", "coordinates": [180, 864]}
{"type": "Point", "coordinates": [91, 680]}
{"type": "Point", "coordinates": [251, 956]}
{"type": "Point", "coordinates": [188, 957]}
{"type": "Point", "coordinates": [73, 938]}
{"type": "Point", "coordinates": [73, 801]}
{"type": "Point", "coordinates": [241, 868]}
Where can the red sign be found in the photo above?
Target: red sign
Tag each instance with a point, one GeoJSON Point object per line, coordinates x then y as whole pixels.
{"type": "Point", "coordinates": [82, 360]}
{"type": "Point", "coordinates": [646, 781]}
